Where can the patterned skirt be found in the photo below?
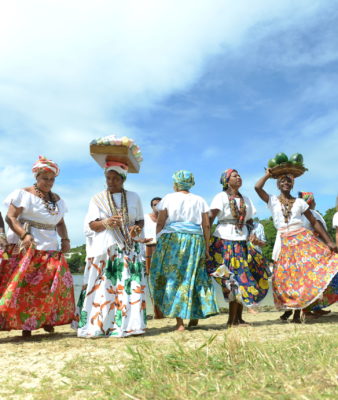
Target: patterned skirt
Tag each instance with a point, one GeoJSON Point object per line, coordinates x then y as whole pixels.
{"type": "Point", "coordinates": [112, 301]}
{"type": "Point", "coordinates": [179, 282]}
{"type": "Point", "coordinates": [242, 263]}
{"type": "Point", "coordinates": [36, 290]}
{"type": "Point", "coordinates": [304, 271]}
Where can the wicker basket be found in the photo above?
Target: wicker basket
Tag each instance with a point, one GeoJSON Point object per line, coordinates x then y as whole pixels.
{"type": "Point", "coordinates": [103, 153]}
{"type": "Point", "coordinates": [287, 169]}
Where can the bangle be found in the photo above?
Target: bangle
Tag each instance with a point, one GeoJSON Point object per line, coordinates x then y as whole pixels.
{"type": "Point", "coordinates": [65, 240]}
{"type": "Point", "coordinates": [24, 235]}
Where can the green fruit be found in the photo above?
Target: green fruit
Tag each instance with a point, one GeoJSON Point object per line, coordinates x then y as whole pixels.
{"type": "Point", "coordinates": [281, 158]}
{"type": "Point", "coordinates": [296, 158]}
{"type": "Point", "coordinates": [272, 163]}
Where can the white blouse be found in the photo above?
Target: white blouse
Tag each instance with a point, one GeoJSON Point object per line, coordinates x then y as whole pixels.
{"type": "Point", "coordinates": [295, 221]}
{"type": "Point", "coordinates": [149, 228]}
{"type": "Point", "coordinates": [97, 243]}
{"type": "Point", "coordinates": [335, 221]}
{"type": "Point", "coordinates": [225, 230]}
{"type": "Point", "coordinates": [183, 207]}
{"type": "Point", "coordinates": [307, 223]}
{"type": "Point", "coordinates": [34, 210]}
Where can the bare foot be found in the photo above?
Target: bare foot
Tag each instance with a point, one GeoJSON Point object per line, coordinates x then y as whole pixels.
{"type": "Point", "coordinates": [286, 315]}
{"type": "Point", "coordinates": [26, 334]}
{"type": "Point", "coordinates": [193, 323]}
{"type": "Point", "coordinates": [49, 328]}
{"type": "Point", "coordinates": [180, 328]}
{"type": "Point", "coordinates": [321, 312]}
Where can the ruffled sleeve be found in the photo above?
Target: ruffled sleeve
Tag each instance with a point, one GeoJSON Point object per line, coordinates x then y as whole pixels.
{"type": "Point", "coordinates": [218, 202]}
{"type": "Point", "coordinates": [19, 198]}
{"type": "Point", "coordinates": [303, 205]}
{"type": "Point", "coordinates": [163, 204]}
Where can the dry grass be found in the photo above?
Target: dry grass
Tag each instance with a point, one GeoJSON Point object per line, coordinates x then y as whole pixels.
{"type": "Point", "coordinates": [269, 360]}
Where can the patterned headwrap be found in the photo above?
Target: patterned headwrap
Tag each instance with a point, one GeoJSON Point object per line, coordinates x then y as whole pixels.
{"type": "Point", "coordinates": [45, 165]}
{"type": "Point", "coordinates": [307, 196]}
{"type": "Point", "coordinates": [183, 179]}
{"type": "Point", "coordinates": [225, 177]}
{"type": "Point", "coordinates": [120, 168]}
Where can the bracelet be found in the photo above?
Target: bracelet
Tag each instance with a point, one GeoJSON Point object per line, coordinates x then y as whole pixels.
{"type": "Point", "coordinates": [65, 240]}
{"type": "Point", "coordinates": [24, 235]}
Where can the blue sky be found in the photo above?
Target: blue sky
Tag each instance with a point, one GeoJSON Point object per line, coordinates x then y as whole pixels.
{"type": "Point", "coordinates": [200, 85]}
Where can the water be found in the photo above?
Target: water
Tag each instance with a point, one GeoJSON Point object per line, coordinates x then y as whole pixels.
{"type": "Point", "coordinates": [268, 301]}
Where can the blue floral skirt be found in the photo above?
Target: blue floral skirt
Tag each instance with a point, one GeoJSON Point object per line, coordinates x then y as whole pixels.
{"type": "Point", "coordinates": [240, 262]}
{"type": "Point", "coordinates": [179, 281]}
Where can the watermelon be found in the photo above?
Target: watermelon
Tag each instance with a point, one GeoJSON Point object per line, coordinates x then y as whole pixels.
{"type": "Point", "coordinates": [281, 158]}
{"type": "Point", "coordinates": [272, 163]}
{"type": "Point", "coordinates": [296, 158]}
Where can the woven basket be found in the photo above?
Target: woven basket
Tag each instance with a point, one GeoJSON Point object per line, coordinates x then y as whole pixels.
{"type": "Point", "coordinates": [103, 153]}
{"type": "Point", "coordinates": [287, 169]}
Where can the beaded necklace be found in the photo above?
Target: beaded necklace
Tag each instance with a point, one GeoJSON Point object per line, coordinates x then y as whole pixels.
{"type": "Point", "coordinates": [51, 204]}
{"type": "Point", "coordinates": [122, 212]}
{"type": "Point", "coordinates": [286, 207]}
{"type": "Point", "coordinates": [238, 213]}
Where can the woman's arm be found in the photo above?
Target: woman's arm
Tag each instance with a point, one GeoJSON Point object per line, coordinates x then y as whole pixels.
{"type": "Point", "coordinates": [12, 220]}
{"type": "Point", "coordinates": [162, 217]}
{"type": "Point", "coordinates": [102, 224]}
{"type": "Point", "coordinates": [212, 215]}
{"type": "Point", "coordinates": [61, 229]}
{"type": "Point", "coordinates": [260, 184]}
{"type": "Point", "coordinates": [206, 232]}
{"type": "Point", "coordinates": [3, 239]}
{"type": "Point", "coordinates": [319, 229]}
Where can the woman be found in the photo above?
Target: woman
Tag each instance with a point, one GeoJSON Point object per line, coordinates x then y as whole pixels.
{"type": "Point", "coordinates": [180, 284]}
{"type": "Point", "coordinates": [335, 222]}
{"type": "Point", "coordinates": [242, 275]}
{"type": "Point", "coordinates": [305, 266]}
{"type": "Point", "coordinates": [36, 286]}
{"type": "Point", "coordinates": [150, 221]}
{"type": "Point", "coordinates": [3, 237]}
{"type": "Point", "coordinates": [112, 301]}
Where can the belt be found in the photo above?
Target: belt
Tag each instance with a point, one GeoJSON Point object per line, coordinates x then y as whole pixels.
{"type": "Point", "coordinates": [228, 221]}
{"type": "Point", "coordinates": [38, 225]}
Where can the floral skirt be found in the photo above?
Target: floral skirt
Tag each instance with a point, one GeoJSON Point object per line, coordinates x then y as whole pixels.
{"type": "Point", "coordinates": [304, 271]}
{"type": "Point", "coordinates": [179, 282]}
{"type": "Point", "coordinates": [242, 263]}
{"type": "Point", "coordinates": [36, 289]}
{"type": "Point", "coordinates": [112, 301]}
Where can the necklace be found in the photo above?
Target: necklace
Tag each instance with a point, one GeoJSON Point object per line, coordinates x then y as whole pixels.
{"type": "Point", "coordinates": [238, 213]}
{"type": "Point", "coordinates": [286, 207]}
{"type": "Point", "coordinates": [50, 205]}
{"type": "Point", "coordinates": [123, 212]}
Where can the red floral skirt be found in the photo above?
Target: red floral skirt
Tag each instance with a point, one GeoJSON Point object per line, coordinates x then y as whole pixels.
{"type": "Point", "coordinates": [36, 289]}
{"type": "Point", "coordinates": [304, 271]}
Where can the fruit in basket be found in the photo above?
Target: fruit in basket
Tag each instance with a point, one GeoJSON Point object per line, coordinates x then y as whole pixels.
{"type": "Point", "coordinates": [297, 159]}
{"type": "Point", "coordinates": [281, 158]}
{"type": "Point", "coordinates": [272, 163]}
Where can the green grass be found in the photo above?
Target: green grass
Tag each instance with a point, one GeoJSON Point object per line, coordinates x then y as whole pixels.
{"type": "Point", "coordinates": [267, 361]}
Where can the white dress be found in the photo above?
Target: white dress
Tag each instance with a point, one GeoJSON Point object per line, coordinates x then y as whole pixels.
{"type": "Point", "coordinates": [34, 210]}
{"type": "Point", "coordinates": [112, 302]}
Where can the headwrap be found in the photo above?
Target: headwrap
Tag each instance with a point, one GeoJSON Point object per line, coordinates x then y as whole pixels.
{"type": "Point", "coordinates": [225, 177]}
{"type": "Point", "coordinates": [45, 165]}
{"type": "Point", "coordinates": [183, 179]}
{"type": "Point", "coordinates": [307, 196]}
{"type": "Point", "coordinates": [120, 168]}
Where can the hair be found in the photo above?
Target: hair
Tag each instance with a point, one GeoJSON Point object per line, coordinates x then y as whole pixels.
{"type": "Point", "coordinates": [155, 198]}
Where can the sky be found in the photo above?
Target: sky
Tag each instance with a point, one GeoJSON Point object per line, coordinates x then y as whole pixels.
{"type": "Point", "coordinates": [198, 84]}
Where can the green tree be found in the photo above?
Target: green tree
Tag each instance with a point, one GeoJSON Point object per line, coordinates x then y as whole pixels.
{"type": "Point", "coordinates": [328, 216]}
{"type": "Point", "coordinates": [270, 234]}
{"type": "Point", "coordinates": [76, 262]}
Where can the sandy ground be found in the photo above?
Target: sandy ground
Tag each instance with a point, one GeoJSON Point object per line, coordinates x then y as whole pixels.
{"type": "Point", "coordinates": [26, 364]}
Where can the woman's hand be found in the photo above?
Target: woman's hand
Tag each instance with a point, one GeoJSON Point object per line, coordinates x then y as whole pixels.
{"type": "Point", "coordinates": [3, 242]}
{"type": "Point", "coordinates": [65, 245]}
{"type": "Point", "coordinates": [268, 173]}
{"type": "Point", "coordinates": [27, 242]}
{"type": "Point", "coordinates": [332, 246]}
{"type": "Point", "coordinates": [115, 221]}
{"type": "Point", "coordinates": [134, 230]}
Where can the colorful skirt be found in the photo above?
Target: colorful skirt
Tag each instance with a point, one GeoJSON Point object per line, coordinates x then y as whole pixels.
{"type": "Point", "coordinates": [239, 262]}
{"type": "Point", "coordinates": [304, 271]}
{"type": "Point", "coordinates": [179, 282]}
{"type": "Point", "coordinates": [36, 290]}
{"type": "Point", "coordinates": [112, 301]}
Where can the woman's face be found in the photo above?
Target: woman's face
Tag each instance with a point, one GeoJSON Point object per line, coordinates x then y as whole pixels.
{"type": "Point", "coordinates": [154, 204]}
{"type": "Point", "coordinates": [114, 181]}
{"type": "Point", "coordinates": [235, 180]}
{"type": "Point", "coordinates": [45, 181]}
{"type": "Point", "coordinates": [285, 184]}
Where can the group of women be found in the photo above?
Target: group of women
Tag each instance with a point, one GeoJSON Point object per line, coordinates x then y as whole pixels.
{"type": "Point", "coordinates": [182, 256]}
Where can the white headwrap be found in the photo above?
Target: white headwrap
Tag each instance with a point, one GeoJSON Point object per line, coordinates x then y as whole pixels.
{"type": "Point", "coordinates": [120, 168]}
